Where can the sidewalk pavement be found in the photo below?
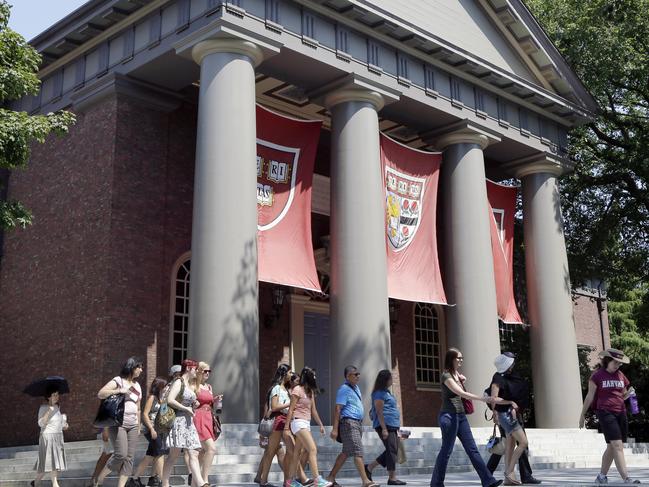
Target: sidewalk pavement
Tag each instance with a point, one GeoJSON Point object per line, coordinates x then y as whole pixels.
{"type": "Point", "coordinates": [573, 477]}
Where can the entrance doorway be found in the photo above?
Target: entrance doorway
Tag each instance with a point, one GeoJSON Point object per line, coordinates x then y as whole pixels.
{"type": "Point", "coordinates": [317, 356]}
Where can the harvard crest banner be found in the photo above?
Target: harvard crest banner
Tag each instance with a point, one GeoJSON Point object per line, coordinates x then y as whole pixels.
{"type": "Point", "coordinates": [502, 201]}
{"type": "Point", "coordinates": [286, 150]}
{"type": "Point", "coordinates": [410, 180]}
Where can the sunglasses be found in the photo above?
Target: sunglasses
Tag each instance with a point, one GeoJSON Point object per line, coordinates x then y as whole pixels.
{"type": "Point", "coordinates": [207, 371]}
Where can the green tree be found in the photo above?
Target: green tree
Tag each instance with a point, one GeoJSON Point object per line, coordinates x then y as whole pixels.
{"type": "Point", "coordinates": [19, 64]}
{"type": "Point", "coordinates": [606, 199]}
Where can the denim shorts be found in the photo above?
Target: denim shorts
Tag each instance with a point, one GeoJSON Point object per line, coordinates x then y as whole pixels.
{"type": "Point", "coordinates": [508, 422]}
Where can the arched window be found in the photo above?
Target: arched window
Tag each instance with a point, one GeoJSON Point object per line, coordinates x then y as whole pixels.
{"type": "Point", "coordinates": [180, 305]}
{"type": "Point", "coordinates": [427, 345]}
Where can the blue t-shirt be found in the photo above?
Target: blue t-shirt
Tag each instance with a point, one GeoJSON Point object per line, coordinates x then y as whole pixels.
{"type": "Point", "coordinates": [391, 413]}
{"type": "Point", "coordinates": [350, 400]}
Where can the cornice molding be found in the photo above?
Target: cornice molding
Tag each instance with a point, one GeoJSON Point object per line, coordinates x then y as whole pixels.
{"type": "Point", "coordinates": [461, 132]}
{"type": "Point", "coordinates": [539, 163]}
{"type": "Point", "coordinates": [353, 87]}
{"type": "Point", "coordinates": [223, 36]}
{"type": "Point", "coordinates": [152, 97]}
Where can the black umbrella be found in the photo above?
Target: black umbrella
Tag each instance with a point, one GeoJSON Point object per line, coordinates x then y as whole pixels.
{"type": "Point", "coordinates": [41, 387]}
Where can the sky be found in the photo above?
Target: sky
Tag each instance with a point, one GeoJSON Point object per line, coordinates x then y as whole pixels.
{"type": "Point", "coordinates": [31, 17]}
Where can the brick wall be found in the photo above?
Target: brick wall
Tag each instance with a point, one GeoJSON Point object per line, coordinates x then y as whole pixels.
{"type": "Point", "coordinates": [587, 323]}
{"type": "Point", "coordinates": [55, 275]}
{"type": "Point", "coordinates": [419, 407]}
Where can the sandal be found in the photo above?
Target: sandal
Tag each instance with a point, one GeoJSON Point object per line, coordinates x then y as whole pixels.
{"type": "Point", "coordinates": [371, 484]}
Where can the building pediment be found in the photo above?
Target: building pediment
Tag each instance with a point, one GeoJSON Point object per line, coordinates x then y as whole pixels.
{"type": "Point", "coordinates": [492, 39]}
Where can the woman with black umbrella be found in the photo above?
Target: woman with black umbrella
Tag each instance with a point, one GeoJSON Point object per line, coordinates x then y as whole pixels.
{"type": "Point", "coordinates": [51, 452]}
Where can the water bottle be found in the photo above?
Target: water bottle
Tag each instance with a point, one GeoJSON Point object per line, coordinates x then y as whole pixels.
{"type": "Point", "coordinates": [633, 401]}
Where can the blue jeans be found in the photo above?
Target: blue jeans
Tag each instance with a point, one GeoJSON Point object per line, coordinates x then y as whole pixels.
{"type": "Point", "coordinates": [455, 425]}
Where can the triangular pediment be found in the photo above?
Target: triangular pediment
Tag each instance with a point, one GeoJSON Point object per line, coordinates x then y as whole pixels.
{"type": "Point", "coordinates": [499, 33]}
{"type": "Point", "coordinates": [464, 24]}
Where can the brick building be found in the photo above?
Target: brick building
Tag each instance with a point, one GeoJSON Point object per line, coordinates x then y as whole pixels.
{"type": "Point", "coordinates": [104, 272]}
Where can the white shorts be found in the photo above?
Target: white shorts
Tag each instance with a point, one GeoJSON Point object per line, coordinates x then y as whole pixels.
{"type": "Point", "coordinates": [300, 424]}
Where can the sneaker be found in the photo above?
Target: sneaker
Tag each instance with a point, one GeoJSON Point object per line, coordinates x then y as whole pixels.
{"type": "Point", "coordinates": [307, 482]}
{"type": "Point", "coordinates": [154, 481]}
{"type": "Point", "coordinates": [295, 483]}
{"type": "Point", "coordinates": [629, 480]}
{"type": "Point", "coordinates": [601, 479]}
{"type": "Point", "coordinates": [320, 482]}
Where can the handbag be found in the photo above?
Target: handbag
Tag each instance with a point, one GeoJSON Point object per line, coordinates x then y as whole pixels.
{"type": "Point", "coordinates": [401, 453]}
{"type": "Point", "coordinates": [495, 444]}
{"type": "Point", "coordinates": [111, 412]}
{"type": "Point", "coordinates": [166, 414]}
{"type": "Point", "coordinates": [265, 428]}
{"type": "Point", "coordinates": [469, 408]}
{"type": "Point", "coordinates": [216, 424]}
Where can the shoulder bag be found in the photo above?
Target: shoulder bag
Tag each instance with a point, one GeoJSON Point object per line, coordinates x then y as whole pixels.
{"type": "Point", "coordinates": [111, 411]}
{"type": "Point", "coordinates": [496, 445]}
{"type": "Point", "coordinates": [469, 408]}
{"type": "Point", "coordinates": [167, 414]}
{"type": "Point", "coordinates": [265, 428]}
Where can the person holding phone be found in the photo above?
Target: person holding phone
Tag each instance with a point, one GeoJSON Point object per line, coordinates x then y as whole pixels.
{"type": "Point", "coordinates": [204, 417]}
{"type": "Point", "coordinates": [51, 450]}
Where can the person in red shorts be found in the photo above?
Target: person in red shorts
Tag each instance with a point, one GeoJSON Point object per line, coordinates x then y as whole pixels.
{"type": "Point", "coordinates": [608, 387]}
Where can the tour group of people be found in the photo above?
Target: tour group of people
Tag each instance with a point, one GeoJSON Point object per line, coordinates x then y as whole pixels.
{"type": "Point", "coordinates": [290, 407]}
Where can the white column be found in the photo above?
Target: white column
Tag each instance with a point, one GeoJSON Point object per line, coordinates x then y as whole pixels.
{"type": "Point", "coordinates": [224, 322]}
{"type": "Point", "coordinates": [555, 364]}
{"type": "Point", "coordinates": [360, 325]}
{"type": "Point", "coordinates": [472, 324]}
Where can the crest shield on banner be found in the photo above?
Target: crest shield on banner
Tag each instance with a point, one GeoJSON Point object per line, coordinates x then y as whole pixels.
{"type": "Point", "coordinates": [403, 196]}
{"type": "Point", "coordinates": [286, 150]}
{"type": "Point", "coordinates": [410, 179]}
{"type": "Point", "coordinates": [277, 168]}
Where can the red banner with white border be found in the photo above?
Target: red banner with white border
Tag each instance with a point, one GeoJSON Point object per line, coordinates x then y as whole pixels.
{"type": "Point", "coordinates": [286, 150]}
{"type": "Point", "coordinates": [502, 203]}
{"type": "Point", "coordinates": [410, 180]}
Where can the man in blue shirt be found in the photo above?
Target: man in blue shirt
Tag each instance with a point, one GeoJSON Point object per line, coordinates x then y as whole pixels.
{"type": "Point", "coordinates": [348, 426]}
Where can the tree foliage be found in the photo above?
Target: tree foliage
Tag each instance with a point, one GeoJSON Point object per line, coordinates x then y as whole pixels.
{"type": "Point", "coordinates": [19, 64]}
{"type": "Point", "coordinates": [605, 201]}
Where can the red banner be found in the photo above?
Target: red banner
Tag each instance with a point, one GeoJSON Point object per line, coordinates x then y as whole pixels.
{"type": "Point", "coordinates": [286, 150]}
{"type": "Point", "coordinates": [410, 179]}
{"type": "Point", "coordinates": [502, 201]}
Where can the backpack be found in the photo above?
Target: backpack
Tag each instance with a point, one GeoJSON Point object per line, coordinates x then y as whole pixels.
{"type": "Point", "coordinates": [516, 388]}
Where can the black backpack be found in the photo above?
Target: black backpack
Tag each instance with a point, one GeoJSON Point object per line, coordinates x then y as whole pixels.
{"type": "Point", "coordinates": [516, 388]}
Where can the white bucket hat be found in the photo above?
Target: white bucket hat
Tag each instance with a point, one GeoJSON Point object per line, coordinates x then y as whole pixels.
{"type": "Point", "coordinates": [503, 363]}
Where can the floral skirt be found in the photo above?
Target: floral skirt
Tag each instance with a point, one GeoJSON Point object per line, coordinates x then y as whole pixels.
{"type": "Point", "coordinates": [183, 434]}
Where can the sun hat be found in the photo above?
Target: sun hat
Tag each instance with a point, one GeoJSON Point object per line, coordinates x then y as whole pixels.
{"type": "Point", "coordinates": [615, 354]}
{"type": "Point", "coordinates": [503, 363]}
{"type": "Point", "coordinates": [175, 369]}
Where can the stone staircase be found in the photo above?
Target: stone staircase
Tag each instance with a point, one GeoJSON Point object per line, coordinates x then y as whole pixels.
{"type": "Point", "coordinates": [239, 454]}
